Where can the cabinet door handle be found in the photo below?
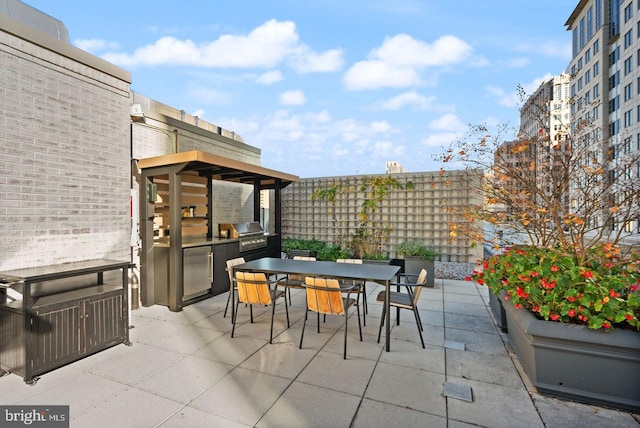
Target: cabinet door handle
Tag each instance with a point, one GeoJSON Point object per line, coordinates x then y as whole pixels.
{"type": "Point", "coordinates": [210, 257]}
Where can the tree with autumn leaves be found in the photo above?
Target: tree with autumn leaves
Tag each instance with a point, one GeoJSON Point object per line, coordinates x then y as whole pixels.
{"type": "Point", "coordinates": [561, 211]}
{"type": "Point", "coordinates": [548, 193]}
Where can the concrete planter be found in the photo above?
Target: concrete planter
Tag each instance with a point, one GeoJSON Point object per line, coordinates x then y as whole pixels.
{"type": "Point", "coordinates": [498, 311]}
{"type": "Point", "coordinates": [571, 361]}
{"type": "Point", "coordinates": [413, 266]}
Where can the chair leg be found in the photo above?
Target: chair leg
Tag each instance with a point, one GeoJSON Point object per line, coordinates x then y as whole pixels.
{"type": "Point", "coordinates": [286, 308]}
{"type": "Point", "coordinates": [346, 318]}
{"type": "Point", "coordinates": [384, 312]}
{"type": "Point", "coordinates": [227, 307]}
{"type": "Point", "coordinates": [364, 305]}
{"type": "Point", "coordinates": [273, 312]}
{"type": "Point", "coordinates": [418, 324]}
{"type": "Point", "coordinates": [304, 323]}
{"type": "Point", "coordinates": [234, 315]}
{"type": "Point", "coordinates": [251, 312]}
{"type": "Point", "coordinates": [359, 325]}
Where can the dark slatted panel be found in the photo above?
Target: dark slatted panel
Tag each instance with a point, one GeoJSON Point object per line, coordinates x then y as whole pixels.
{"type": "Point", "coordinates": [11, 342]}
{"type": "Point", "coordinates": [56, 337]}
{"type": "Point", "coordinates": [105, 325]}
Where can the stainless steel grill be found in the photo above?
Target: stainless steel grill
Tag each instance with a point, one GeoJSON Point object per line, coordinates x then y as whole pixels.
{"type": "Point", "coordinates": [250, 234]}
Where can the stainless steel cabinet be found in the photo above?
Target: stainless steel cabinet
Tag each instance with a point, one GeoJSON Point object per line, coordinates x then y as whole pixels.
{"type": "Point", "coordinates": [197, 265]}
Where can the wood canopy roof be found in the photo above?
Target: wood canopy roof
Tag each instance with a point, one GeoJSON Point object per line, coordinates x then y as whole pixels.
{"type": "Point", "coordinates": [221, 168]}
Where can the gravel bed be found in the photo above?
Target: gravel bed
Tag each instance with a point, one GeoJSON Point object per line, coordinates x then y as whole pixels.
{"type": "Point", "coordinates": [453, 270]}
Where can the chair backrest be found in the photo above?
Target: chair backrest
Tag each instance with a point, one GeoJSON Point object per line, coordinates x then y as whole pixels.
{"type": "Point", "coordinates": [326, 300]}
{"type": "Point", "coordinates": [353, 261]}
{"type": "Point", "coordinates": [417, 289]}
{"type": "Point", "coordinates": [253, 288]}
{"type": "Point", "coordinates": [305, 258]}
{"type": "Point", "coordinates": [230, 264]}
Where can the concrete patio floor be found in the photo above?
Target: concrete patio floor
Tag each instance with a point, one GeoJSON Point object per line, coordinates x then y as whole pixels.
{"type": "Point", "coordinates": [184, 370]}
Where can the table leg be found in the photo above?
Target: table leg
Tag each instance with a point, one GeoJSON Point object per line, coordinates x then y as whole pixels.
{"type": "Point", "coordinates": [387, 297]}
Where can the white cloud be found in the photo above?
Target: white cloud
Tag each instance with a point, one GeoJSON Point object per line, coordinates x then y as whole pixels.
{"type": "Point", "coordinates": [448, 122]}
{"type": "Point", "coordinates": [377, 74]}
{"type": "Point", "coordinates": [293, 98]}
{"type": "Point", "coordinates": [270, 77]}
{"type": "Point", "coordinates": [411, 98]}
{"type": "Point", "coordinates": [310, 62]}
{"type": "Point", "coordinates": [442, 139]}
{"type": "Point", "coordinates": [399, 61]}
{"type": "Point", "coordinates": [266, 46]}
{"type": "Point", "coordinates": [94, 45]}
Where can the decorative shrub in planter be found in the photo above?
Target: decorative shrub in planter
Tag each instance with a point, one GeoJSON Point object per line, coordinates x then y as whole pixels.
{"type": "Point", "coordinates": [418, 256]}
{"type": "Point", "coordinates": [572, 319]}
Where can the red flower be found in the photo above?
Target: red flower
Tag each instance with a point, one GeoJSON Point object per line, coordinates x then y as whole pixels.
{"type": "Point", "coordinates": [629, 317]}
{"type": "Point", "coordinates": [554, 317]}
{"type": "Point", "coordinates": [467, 278]}
{"type": "Point", "coordinates": [533, 274]}
{"type": "Point", "coordinates": [548, 285]}
{"type": "Point", "coordinates": [571, 313]}
{"type": "Point", "coordinates": [586, 273]}
{"type": "Point", "coordinates": [606, 325]}
{"type": "Point", "coordinates": [536, 309]}
{"type": "Point", "coordinates": [634, 287]}
{"type": "Point", "coordinates": [517, 305]}
{"type": "Point", "coordinates": [521, 293]}
{"type": "Point", "coordinates": [608, 265]}
{"type": "Point", "coordinates": [554, 268]}
{"type": "Point", "coordinates": [480, 281]}
{"type": "Point", "coordinates": [612, 293]}
{"type": "Point", "coordinates": [571, 299]}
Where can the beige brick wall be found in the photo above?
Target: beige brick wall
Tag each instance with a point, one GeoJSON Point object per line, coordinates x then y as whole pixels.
{"type": "Point", "coordinates": [64, 152]}
{"type": "Point", "coordinates": [417, 214]}
{"type": "Point", "coordinates": [167, 130]}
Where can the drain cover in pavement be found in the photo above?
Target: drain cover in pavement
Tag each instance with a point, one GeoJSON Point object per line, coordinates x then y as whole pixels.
{"type": "Point", "coordinates": [454, 345]}
{"type": "Point", "coordinates": [461, 392]}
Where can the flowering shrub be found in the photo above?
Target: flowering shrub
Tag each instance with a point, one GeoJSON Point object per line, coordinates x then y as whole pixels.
{"type": "Point", "coordinates": [601, 292]}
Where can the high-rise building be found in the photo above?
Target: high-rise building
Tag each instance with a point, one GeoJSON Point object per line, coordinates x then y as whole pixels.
{"type": "Point", "coordinates": [605, 92]}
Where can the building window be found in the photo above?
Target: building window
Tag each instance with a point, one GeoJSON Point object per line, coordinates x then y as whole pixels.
{"type": "Point", "coordinates": [628, 66]}
{"type": "Point", "coordinates": [596, 47]}
{"type": "Point", "coordinates": [614, 80]}
{"type": "Point", "coordinates": [628, 118]}
{"type": "Point", "coordinates": [628, 12]}
{"type": "Point", "coordinates": [598, 14]}
{"type": "Point", "coordinates": [596, 91]}
{"type": "Point", "coordinates": [627, 145]}
{"type": "Point", "coordinates": [596, 68]}
{"type": "Point", "coordinates": [628, 92]}
{"type": "Point", "coordinates": [628, 38]}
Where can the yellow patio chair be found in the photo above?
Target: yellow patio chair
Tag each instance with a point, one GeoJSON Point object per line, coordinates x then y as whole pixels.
{"type": "Point", "coordinates": [362, 290]}
{"type": "Point", "coordinates": [230, 264]}
{"type": "Point", "coordinates": [255, 289]}
{"type": "Point", "coordinates": [324, 296]}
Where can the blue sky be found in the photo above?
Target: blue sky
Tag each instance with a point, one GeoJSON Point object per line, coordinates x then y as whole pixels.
{"type": "Point", "coordinates": [331, 87]}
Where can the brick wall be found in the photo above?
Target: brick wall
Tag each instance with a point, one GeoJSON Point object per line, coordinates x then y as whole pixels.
{"type": "Point", "coordinates": [64, 152]}
{"type": "Point", "coordinates": [167, 130]}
